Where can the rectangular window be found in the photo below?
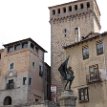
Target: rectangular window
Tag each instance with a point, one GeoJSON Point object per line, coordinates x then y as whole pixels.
{"type": "Point", "coordinates": [85, 52]}
{"type": "Point", "coordinates": [70, 8]}
{"type": "Point", "coordinates": [25, 45]}
{"type": "Point", "coordinates": [88, 4]}
{"type": "Point", "coordinates": [82, 6]}
{"type": "Point", "coordinates": [11, 66]}
{"type": "Point", "coordinates": [10, 49]}
{"type": "Point", "coordinates": [33, 64]}
{"type": "Point", "coordinates": [65, 32]}
{"type": "Point", "coordinates": [30, 81]}
{"type": "Point", "coordinates": [40, 71]}
{"type": "Point", "coordinates": [24, 80]}
{"type": "Point", "coordinates": [32, 45]}
{"type": "Point", "coordinates": [10, 84]}
{"type": "Point", "coordinates": [53, 12]}
{"type": "Point", "coordinates": [76, 7]}
{"type": "Point", "coordinates": [17, 47]}
{"type": "Point", "coordinates": [58, 11]}
{"type": "Point", "coordinates": [83, 94]}
{"type": "Point", "coordinates": [64, 10]}
{"type": "Point", "coordinates": [99, 47]}
{"type": "Point", "coordinates": [77, 33]}
{"type": "Point", "coordinates": [94, 73]}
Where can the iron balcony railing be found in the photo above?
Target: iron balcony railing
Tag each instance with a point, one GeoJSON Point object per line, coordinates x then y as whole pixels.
{"type": "Point", "coordinates": [90, 79]}
{"type": "Point", "coordinates": [10, 86]}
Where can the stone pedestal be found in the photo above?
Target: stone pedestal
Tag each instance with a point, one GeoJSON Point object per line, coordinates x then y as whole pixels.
{"type": "Point", "coordinates": [67, 99]}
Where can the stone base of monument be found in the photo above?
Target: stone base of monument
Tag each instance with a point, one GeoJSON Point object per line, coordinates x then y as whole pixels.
{"type": "Point", "coordinates": [67, 99]}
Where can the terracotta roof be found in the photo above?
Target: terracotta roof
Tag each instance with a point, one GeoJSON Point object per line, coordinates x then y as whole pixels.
{"type": "Point", "coordinates": [90, 36]}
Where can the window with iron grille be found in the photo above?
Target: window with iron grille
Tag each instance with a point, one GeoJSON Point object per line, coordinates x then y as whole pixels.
{"type": "Point", "coordinates": [94, 72]}
{"type": "Point", "coordinates": [99, 47]}
{"type": "Point", "coordinates": [10, 84]}
{"type": "Point", "coordinates": [83, 94]}
{"type": "Point", "coordinates": [85, 52]}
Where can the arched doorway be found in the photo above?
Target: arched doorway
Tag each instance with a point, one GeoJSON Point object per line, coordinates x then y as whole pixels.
{"type": "Point", "coordinates": [7, 100]}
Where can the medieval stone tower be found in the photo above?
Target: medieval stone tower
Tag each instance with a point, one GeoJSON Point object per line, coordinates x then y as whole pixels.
{"type": "Point", "coordinates": [69, 23]}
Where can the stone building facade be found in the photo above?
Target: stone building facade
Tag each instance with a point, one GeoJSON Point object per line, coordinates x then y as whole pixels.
{"type": "Point", "coordinates": [88, 59]}
{"type": "Point", "coordinates": [22, 73]}
{"type": "Point", "coordinates": [69, 23]}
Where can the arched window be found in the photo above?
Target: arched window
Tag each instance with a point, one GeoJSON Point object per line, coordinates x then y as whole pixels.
{"type": "Point", "coordinates": [8, 100]}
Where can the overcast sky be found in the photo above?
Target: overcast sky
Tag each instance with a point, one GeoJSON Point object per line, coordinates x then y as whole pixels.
{"type": "Point", "coordinates": [20, 19]}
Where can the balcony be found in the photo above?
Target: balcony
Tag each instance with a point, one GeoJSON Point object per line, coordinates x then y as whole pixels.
{"type": "Point", "coordinates": [90, 79]}
{"type": "Point", "coordinates": [10, 86]}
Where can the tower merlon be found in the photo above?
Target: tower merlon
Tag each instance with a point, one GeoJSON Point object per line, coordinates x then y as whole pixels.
{"type": "Point", "coordinates": [75, 9]}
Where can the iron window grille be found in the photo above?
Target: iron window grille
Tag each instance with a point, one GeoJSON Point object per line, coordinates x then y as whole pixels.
{"type": "Point", "coordinates": [99, 47]}
{"type": "Point", "coordinates": [85, 52]}
{"type": "Point", "coordinates": [83, 95]}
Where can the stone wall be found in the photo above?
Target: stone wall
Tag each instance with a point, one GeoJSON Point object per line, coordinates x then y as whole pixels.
{"type": "Point", "coordinates": [46, 104]}
{"type": "Point", "coordinates": [64, 23]}
{"type": "Point", "coordinates": [97, 90]}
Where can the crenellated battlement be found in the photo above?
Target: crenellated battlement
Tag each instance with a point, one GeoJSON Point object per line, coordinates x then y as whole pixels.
{"type": "Point", "coordinates": [74, 10]}
{"type": "Point", "coordinates": [69, 9]}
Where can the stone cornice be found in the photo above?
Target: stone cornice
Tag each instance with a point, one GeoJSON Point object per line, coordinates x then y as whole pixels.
{"type": "Point", "coordinates": [69, 17]}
